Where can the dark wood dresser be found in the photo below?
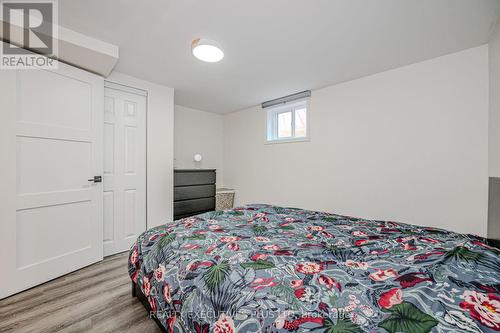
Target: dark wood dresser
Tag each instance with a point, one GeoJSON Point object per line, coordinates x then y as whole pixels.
{"type": "Point", "coordinates": [194, 192]}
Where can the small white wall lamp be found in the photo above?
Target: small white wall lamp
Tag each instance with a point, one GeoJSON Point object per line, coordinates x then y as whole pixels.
{"type": "Point", "coordinates": [197, 158]}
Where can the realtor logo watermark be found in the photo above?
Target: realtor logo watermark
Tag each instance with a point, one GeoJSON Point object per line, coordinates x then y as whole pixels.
{"type": "Point", "coordinates": [30, 30]}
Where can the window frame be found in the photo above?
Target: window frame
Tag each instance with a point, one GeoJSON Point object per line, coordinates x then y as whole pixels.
{"type": "Point", "coordinates": [272, 121]}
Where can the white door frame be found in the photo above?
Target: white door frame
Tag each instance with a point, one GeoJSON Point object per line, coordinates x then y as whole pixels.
{"type": "Point", "coordinates": [140, 92]}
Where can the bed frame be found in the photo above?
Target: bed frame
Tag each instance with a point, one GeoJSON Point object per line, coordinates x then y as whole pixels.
{"type": "Point", "coordinates": [137, 292]}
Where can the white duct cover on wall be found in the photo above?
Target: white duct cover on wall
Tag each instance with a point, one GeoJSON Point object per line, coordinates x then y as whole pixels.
{"type": "Point", "coordinates": [74, 48]}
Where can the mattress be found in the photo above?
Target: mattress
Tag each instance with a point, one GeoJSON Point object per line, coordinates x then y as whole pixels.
{"type": "Point", "coordinates": [261, 268]}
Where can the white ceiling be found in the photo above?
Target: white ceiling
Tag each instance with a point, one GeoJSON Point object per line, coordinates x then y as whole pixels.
{"type": "Point", "coordinates": [275, 47]}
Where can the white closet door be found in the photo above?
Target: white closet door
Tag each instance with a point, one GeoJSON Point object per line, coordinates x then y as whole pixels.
{"type": "Point", "coordinates": [52, 124]}
{"type": "Point", "coordinates": [124, 168]}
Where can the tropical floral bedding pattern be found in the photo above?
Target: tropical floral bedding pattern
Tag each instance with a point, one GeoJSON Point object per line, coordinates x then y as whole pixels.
{"type": "Point", "coordinates": [261, 268]}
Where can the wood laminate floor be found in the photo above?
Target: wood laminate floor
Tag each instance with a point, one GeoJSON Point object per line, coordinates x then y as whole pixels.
{"type": "Point", "coordinates": [97, 298]}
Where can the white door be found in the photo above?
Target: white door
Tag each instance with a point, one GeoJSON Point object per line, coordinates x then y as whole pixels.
{"type": "Point", "coordinates": [52, 125]}
{"type": "Point", "coordinates": [124, 166]}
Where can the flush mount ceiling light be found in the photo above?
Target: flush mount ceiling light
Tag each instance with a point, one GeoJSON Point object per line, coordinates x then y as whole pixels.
{"type": "Point", "coordinates": [206, 50]}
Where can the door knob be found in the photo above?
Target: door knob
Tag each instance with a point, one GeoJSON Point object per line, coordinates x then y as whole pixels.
{"type": "Point", "coordinates": [96, 179]}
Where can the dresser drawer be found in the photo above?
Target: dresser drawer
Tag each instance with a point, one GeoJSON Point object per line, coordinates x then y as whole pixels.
{"type": "Point", "coordinates": [193, 192]}
{"type": "Point", "coordinates": [191, 207]}
{"type": "Point", "coordinates": [194, 178]}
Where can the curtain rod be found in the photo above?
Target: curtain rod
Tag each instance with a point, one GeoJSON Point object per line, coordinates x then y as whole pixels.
{"type": "Point", "coordinates": [286, 99]}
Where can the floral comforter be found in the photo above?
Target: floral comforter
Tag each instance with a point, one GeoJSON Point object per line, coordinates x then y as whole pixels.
{"type": "Point", "coordinates": [261, 268]}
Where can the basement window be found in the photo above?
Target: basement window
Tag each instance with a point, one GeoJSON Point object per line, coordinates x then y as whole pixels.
{"type": "Point", "coordinates": [288, 122]}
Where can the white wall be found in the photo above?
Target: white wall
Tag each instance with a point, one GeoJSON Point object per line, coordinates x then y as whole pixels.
{"type": "Point", "coordinates": [494, 132]}
{"type": "Point", "coordinates": [198, 132]}
{"type": "Point", "coordinates": [409, 144]}
{"type": "Point", "coordinates": [160, 147]}
{"type": "Point", "coordinates": [494, 140]}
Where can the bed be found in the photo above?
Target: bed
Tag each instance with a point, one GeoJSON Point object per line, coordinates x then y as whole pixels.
{"type": "Point", "coordinates": [261, 268]}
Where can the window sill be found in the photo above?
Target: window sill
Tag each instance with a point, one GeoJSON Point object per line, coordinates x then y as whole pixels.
{"type": "Point", "coordinates": [291, 140]}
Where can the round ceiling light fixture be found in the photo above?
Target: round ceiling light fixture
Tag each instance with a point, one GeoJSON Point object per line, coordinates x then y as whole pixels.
{"type": "Point", "coordinates": [206, 50]}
